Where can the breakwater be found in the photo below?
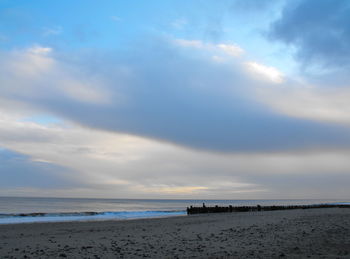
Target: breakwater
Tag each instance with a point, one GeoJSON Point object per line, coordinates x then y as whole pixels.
{"type": "Point", "coordinates": [220, 209]}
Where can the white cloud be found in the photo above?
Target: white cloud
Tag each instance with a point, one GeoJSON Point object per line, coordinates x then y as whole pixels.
{"type": "Point", "coordinates": [218, 59]}
{"type": "Point", "coordinates": [233, 50]}
{"type": "Point", "coordinates": [320, 104]}
{"type": "Point", "coordinates": [225, 49]}
{"type": "Point", "coordinates": [189, 43]}
{"type": "Point", "coordinates": [39, 50]}
{"type": "Point", "coordinates": [35, 73]}
{"type": "Point", "coordinates": [270, 73]}
{"type": "Point", "coordinates": [27, 65]}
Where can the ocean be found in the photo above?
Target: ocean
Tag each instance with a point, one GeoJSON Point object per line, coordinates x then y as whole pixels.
{"type": "Point", "coordinates": [29, 209]}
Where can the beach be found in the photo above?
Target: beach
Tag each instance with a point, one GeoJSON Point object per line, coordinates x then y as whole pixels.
{"type": "Point", "coordinates": [312, 233]}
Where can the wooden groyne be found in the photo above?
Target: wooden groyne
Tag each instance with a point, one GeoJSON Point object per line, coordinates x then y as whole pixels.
{"type": "Point", "coordinates": [218, 209]}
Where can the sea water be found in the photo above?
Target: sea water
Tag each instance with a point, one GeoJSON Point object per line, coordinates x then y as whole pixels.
{"type": "Point", "coordinates": [29, 210]}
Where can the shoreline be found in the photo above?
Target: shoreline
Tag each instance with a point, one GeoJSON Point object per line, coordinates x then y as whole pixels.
{"type": "Point", "coordinates": [317, 233]}
{"type": "Point", "coordinates": [91, 220]}
{"type": "Point", "coordinates": [47, 217]}
{"type": "Point", "coordinates": [81, 217]}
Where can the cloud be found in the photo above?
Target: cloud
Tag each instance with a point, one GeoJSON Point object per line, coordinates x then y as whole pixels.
{"type": "Point", "coordinates": [227, 49]}
{"type": "Point", "coordinates": [168, 90]}
{"type": "Point", "coordinates": [318, 30]}
{"type": "Point", "coordinates": [318, 33]}
{"type": "Point", "coordinates": [233, 50]}
{"type": "Point", "coordinates": [309, 102]}
{"type": "Point", "coordinates": [269, 73]}
{"type": "Point", "coordinates": [20, 171]}
{"type": "Point", "coordinates": [116, 165]}
{"type": "Point", "coordinates": [38, 50]}
{"type": "Point", "coordinates": [82, 162]}
{"type": "Point", "coordinates": [190, 43]}
{"type": "Point", "coordinates": [34, 73]}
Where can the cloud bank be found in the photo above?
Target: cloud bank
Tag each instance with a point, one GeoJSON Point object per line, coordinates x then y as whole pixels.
{"type": "Point", "coordinates": [206, 100]}
{"type": "Point", "coordinates": [80, 162]}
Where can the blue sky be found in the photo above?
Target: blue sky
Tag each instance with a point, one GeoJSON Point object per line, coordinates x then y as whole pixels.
{"type": "Point", "coordinates": [175, 99]}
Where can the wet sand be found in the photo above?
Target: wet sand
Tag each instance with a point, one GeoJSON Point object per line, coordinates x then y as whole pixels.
{"type": "Point", "coordinates": [313, 233]}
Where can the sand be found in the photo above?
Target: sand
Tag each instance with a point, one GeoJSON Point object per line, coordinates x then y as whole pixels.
{"type": "Point", "coordinates": [314, 233]}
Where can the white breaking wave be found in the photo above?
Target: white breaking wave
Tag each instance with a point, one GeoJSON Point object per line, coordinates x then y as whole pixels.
{"type": "Point", "coordinates": [84, 216]}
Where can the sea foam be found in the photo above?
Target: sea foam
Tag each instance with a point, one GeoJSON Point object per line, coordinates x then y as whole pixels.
{"type": "Point", "coordinates": [84, 216]}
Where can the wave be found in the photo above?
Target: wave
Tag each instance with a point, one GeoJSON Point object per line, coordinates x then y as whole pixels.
{"type": "Point", "coordinates": [84, 216]}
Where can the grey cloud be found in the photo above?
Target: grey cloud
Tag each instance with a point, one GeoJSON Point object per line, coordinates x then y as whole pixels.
{"type": "Point", "coordinates": [159, 91]}
{"type": "Point", "coordinates": [26, 134]}
{"type": "Point", "coordinates": [196, 103]}
{"type": "Point", "coordinates": [19, 170]}
{"type": "Point", "coordinates": [319, 30]}
{"type": "Point", "coordinates": [107, 165]}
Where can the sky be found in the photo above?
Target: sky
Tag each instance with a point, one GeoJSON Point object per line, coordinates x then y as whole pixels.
{"type": "Point", "coordinates": [200, 99]}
